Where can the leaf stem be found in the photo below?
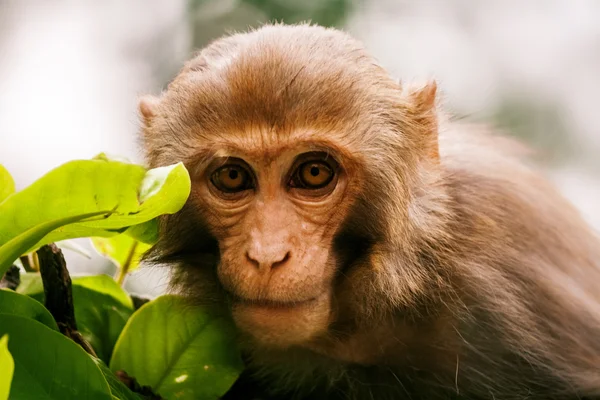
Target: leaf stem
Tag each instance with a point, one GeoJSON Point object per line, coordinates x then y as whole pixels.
{"type": "Point", "coordinates": [124, 270]}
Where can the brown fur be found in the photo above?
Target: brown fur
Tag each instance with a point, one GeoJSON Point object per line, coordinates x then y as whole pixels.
{"type": "Point", "coordinates": [451, 268]}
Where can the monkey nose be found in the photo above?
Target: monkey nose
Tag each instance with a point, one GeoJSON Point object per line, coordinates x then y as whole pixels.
{"type": "Point", "coordinates": [266, 261]}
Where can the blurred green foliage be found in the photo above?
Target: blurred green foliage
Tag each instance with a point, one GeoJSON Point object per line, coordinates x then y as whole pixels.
{"type": "Point", "coordinates": [322, 12]}
{"type": "Point", "coordinates": [539, 123]}
{"type": "Point", "coordinates": [211, 19]}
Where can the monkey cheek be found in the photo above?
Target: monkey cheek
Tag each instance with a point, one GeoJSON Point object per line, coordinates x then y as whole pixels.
{"type": "Point", "coordinates": [284, 326]}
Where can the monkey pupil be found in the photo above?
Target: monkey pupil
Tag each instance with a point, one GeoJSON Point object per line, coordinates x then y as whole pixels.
{"type": "Point", "coordinates": [233, 174]}
{"type": "Point", "coordinates": [314, 171]}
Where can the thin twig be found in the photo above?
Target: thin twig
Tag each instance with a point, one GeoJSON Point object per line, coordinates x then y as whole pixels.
{"type": "Point", "coordinates": [35, 262]}
{"type": "Point", "coordinates": [58, 293]}
{"type": "Point", "coordinates": [124, 270]}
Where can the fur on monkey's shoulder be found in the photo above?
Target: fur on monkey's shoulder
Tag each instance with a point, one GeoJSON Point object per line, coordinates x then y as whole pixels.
{"type": "Point", "coordinates": [363, 243]}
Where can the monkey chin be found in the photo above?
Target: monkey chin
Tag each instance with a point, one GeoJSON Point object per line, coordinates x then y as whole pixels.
{"type": "Point", "coordinates": [282, 325]}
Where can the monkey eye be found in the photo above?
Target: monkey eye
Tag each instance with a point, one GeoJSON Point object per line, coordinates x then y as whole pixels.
{"type": "Point", "coordinates": [312, 175]}
{"type": "Point", "coordinates": [231, 179]}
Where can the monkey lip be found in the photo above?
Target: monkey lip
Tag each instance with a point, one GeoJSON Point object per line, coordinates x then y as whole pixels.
{"type": "Point", "coordinates": [271, 305]}
{"type": "Point", "coordinates": [281, 323]}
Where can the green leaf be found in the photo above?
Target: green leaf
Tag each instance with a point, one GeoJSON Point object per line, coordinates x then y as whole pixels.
{"type": "Point", "coordinates": [100, 319]}
{"type": "Point", "coordinates": [111, 157]}
{"type": "Point", "coordinates": [18, 245]}
{"type": "Point", "coordinates": [106, 285]}
{"type": "Point", "coordinates": [31, 284]}
{"type": "Point", "coordinates": [117, 388]}
{"type": "Point", "coordinates": [7, 184]}
{"type": "Point", "coordinates": [64, 195]}
{"type": "Point", "coordinates": [180, 351]}
{"type": "Point", "coordinates": [8, 367]}
{"type": "Point", "coordinates": [121, 250]}
{"type": "Point", "coordinates": [102, 308]}
{"type": "Point", "coordinates": [24, 306]}
{"type": "Point", "coordinates": [48, 365]}
{"type": "Point", "coordinates": [145, 233]}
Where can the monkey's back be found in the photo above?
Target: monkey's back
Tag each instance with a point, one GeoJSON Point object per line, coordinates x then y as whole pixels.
{"type": "Point", "coordinates": [530, 272]}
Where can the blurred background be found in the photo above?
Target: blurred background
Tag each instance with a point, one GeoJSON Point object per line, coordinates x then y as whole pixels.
{"type": "Point", "coordinates": [71, 72]}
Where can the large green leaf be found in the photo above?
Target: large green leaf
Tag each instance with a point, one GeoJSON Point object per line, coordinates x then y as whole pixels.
{"type": "Point", "coordinates": [24, 306]}
{"type": "Point", "coordinates": [8, 367]}
{"type": "Point", "coordinates": [106, 285]}
{"type": "Point", "coordinates": [122, 250]}
{"type": "Point", "coordinates": [131, 194]}
{"type": "Point", "coordinates": [18, 245]}
{"type": "Point", "coordinates": [100, 319]}
{"type": "Point", "coordinates": [180, 351]}
{"type": "Point", "coordinates": [102, 308]}
{"type": "Point", "coordinates": [48, 365]}
{"type": "Point", "coordinates": [7, 184]}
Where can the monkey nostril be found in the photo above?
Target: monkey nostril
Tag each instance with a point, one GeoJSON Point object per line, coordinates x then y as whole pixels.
{"type": "Point", "coordinates": [282, 261]}
{"type": "Point", "coordinates": [252, 260]}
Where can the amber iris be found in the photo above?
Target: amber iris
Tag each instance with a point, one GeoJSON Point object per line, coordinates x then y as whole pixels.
{"type": "Point", "coordinates": [231, 178]}
{"type": "Point", "coordinates": [314, 175]}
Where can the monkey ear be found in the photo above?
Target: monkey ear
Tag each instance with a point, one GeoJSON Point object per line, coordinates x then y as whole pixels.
{"type": "Point", "coordinates": [424, 98]}
{"type": "Point", "coordinates": [148, 107]}
{"type": "Point", "coordinates": [423, 109]}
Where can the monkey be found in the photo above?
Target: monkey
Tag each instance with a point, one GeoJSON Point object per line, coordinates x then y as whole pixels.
{"type": "Point", "coordinates": [365, 243]}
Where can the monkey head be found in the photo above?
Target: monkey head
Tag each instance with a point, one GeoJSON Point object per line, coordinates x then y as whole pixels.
{"type": "Point", "coordinates": [298, 144]}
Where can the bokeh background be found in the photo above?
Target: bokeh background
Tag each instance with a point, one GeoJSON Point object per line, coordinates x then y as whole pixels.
{"type": "Point", "coordinates": [71, 72]}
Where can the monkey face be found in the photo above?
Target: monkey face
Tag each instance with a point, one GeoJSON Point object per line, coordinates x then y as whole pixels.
{"type": "Point", "coordinates": [274, 215]}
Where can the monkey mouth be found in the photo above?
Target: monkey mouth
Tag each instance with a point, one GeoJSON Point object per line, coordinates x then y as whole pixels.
{"type": "Point", "coordinates": [267, 304]}
{"type": "Point", "coordinates": [275, 323]}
